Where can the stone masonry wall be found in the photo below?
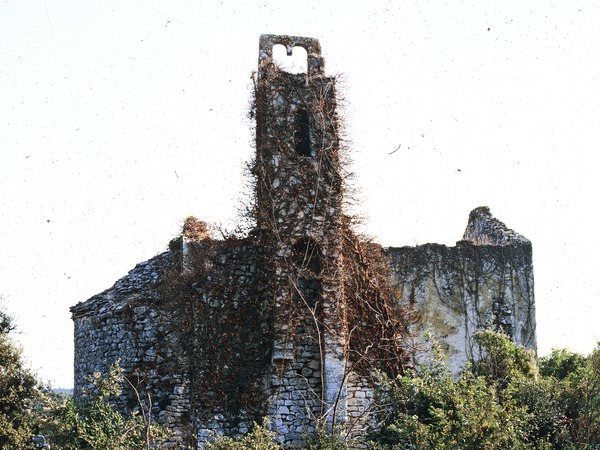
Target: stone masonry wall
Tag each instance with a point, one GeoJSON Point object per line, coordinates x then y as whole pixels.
{"type": "Point", "coordinates": [194, 334]}
{"type": "Point", "coordinates": [124, 324]}
{"type": "Point", "coordinates": [229, 336]}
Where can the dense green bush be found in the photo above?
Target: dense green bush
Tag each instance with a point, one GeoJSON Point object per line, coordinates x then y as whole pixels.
{"type": "Point", "coordinates": [428, 409]}
{"type": "Point", "coordinates": [94, 423]}
{"type": "Point", "coordinates": [499, 401]}
{"type": "Point", "coordinates": [501, 361]}
{"type": "Point", "coordinates": [260, 438]}
{"type": "Point", "coordinates": [561, 363]}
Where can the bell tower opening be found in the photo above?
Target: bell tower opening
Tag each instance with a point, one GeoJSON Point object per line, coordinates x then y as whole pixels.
{"type": "Point", "coordinates": [295, 62]}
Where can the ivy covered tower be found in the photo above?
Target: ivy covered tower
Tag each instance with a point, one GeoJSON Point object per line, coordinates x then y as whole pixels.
{"type": "Point", "coordinates": [298, 196]}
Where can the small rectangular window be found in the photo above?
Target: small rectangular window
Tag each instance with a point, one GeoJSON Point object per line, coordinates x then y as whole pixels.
{"type": "Point", "coordinates": [302, 135]}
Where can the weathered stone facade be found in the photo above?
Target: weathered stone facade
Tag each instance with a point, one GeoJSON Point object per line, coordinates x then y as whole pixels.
{"type": "Point", "coordinates": [485, 281]}
{"type": "Point", "coordinates": [124, 323]}
{"type": "Point", "coordinates": [289, 321]}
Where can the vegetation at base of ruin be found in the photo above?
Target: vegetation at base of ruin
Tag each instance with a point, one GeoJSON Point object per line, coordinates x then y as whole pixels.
{"type": "Point", "coordinates": [501, 401]}
{"type": "Point", "coordinates": [94, 423]}
{"type": "Point", "coordinates": [427, 409]}
{"type": "Point", "coordinates": [29, 408]}
{"type": "Point", "coordinates": [260, 438]}
{"type": "Point", "coordinates": [505, 400]}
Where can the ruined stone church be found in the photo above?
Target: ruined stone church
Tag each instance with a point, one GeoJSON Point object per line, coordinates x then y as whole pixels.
{"type": "Point", "coordinates": [290, 321]}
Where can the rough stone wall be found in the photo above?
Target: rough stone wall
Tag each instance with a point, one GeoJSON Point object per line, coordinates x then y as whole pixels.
{"type": "Point", "coordinates": [486, 280]}
{"type": "Point", "coordinates": [229, 335]}
{"type": "Point", "coordinates": [194, 332]}
{"type": "Point", "coordinates": [359, 404]}
{"type": "Point", "coordinates": [125, 324]}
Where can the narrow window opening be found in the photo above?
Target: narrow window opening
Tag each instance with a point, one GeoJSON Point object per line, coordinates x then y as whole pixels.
{"type": "Point", "coordinates": [302, 134]}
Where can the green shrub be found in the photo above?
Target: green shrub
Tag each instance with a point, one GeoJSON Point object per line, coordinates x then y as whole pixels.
{"type": "Point", "coordinates": [326, 440]}
{"type": "Point", "coordinates": [561, 363]}
{"type": "Point", "coordinates": [94, 423]}
{"type": "Point", "coordinates": [564, 403]}
{"type": "Point", "coordinates": [427, 409]}
{"type": "Point", "coordinates": [19, 392]}
{"type": "Point", "coordinates": [98, 425]}
{"type": "Point", "coordinates": [258, 439]}
{"type": "Point", "coordinates": [501, 360]}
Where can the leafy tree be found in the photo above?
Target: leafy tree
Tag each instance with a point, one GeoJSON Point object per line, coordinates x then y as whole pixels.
{"type": "Point", "coordinates": [564, 402]}
{"type": "Point", "coordinates": [562, 363]}
{"type": "Point", "coordinates": [585, 425]}
{"type": "Point", "coordinates": [19, 391]}
{"type": "Point", "coordinates": [549, 404]}
{"type": "Point", "coordinates": [552, 399]}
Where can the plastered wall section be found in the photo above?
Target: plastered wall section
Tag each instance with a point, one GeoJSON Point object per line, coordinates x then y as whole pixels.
{"type": "Point", "coordinates": [456, 290]}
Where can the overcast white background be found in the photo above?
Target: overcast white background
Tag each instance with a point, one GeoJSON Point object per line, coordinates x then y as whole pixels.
{"type": "Point", "coordinates": [120, 118]}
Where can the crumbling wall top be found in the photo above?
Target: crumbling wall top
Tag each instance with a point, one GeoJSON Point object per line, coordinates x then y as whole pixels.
{"type": "Point", "coordinates": [485, 229]}
{"type": "Point", "coordinates": [312, 46]}
{"type": "Point", "coordinates": [142, 279]}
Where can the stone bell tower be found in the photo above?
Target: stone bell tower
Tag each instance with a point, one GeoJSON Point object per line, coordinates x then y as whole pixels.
{"type": "Point", "coordinates": [299, 193]}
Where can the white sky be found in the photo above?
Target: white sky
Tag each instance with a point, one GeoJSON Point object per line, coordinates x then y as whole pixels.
{"type": "Point", "coordinates": [120, 118]}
